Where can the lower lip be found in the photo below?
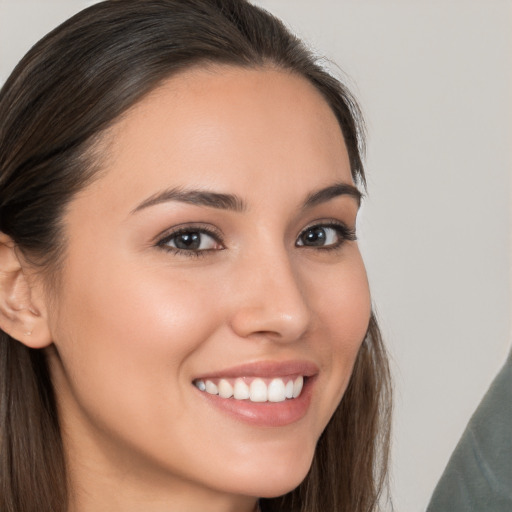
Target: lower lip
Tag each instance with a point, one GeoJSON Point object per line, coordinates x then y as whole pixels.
{"type": "Point", "coordinates": [265, 414]}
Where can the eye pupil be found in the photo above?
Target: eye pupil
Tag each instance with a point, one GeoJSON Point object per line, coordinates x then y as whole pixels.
{"type": "Point", "coordinates": [190, 240]}
{"type": "Point", "coordinates": [314, 236]}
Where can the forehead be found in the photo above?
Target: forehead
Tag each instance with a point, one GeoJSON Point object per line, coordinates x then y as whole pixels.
{"type": "Point", "coordinates": [226, 126]}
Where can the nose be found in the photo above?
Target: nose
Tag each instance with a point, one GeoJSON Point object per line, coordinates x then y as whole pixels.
{"type": "Point", "coordinates": [270, 299]}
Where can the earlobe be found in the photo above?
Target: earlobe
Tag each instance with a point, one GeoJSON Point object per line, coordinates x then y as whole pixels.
{"type": "Point", "coordinates": [18, 316]}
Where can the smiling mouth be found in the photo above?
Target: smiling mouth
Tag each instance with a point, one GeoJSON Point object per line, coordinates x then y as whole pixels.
{"type": "Point", "coordinates": [254, 389]}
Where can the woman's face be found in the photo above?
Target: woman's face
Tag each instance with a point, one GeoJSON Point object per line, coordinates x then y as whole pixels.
{"type": "Point", "coordinates": [214, 252]}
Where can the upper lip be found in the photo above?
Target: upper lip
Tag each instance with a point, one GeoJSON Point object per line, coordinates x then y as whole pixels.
{"type": "Point", "coordinates": [266, 369]}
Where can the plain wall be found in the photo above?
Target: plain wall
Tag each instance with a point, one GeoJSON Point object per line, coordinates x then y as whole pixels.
{"type": "Point", "coordinates": [435, 82]}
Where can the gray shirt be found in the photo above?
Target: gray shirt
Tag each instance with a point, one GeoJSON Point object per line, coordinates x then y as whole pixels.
{"type": "Point", "coordinates": [478, 477]}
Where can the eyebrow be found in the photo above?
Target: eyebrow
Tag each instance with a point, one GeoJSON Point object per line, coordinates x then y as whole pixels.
{"type": "Point", "coordinates": [234, 203]}
{"type": "Point", "coordinates": [196, 197]}
{"type": "Point", "coordinates": [338, 189]}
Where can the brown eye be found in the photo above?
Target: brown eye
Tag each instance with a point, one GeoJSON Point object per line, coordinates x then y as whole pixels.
{"type": "Point", "coordinates": [190, 241]}
{"type": "Point", "coordinates": [319, 236]}
{"type": "Point", "coordinates": [193, 240]}
{"type": "Point", "coordinates": [326, 236]}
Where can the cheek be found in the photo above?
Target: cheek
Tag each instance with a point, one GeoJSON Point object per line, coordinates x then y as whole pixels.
{"type": "Point", "coordinates": [127, 305]}
{"type": "Point", "coordinates": [343, 307]}
{"type": "Point", "coordinates": [346, 306]}
{"type": "Point", "coordinates": [341, 301]}
{"type": "Point", "coordinates": [128, 338]}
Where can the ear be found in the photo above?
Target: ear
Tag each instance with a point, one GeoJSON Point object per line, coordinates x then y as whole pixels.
{"type": "Point", "coordinates": [19, 317]}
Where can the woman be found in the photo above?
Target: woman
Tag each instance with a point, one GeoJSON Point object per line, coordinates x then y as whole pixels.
{"type": "Point", "coordinates": [185, 313]}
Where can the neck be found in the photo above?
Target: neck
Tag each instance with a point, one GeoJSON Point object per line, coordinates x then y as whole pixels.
{"type": "Point", "coordinates": [100, 493]}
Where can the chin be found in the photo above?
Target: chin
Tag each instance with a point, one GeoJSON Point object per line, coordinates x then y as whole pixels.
{"type": "Point", "coordinates": [277, 489]}
{"type": "Point", "coordinates": [278, 476]}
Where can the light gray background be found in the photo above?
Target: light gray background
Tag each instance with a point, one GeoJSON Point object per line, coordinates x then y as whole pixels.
{"type": "Point", "coordinates": [435, 80]}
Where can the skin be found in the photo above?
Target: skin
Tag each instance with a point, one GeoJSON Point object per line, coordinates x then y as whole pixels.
{"type": "Point", "coordinates": [133, 323]}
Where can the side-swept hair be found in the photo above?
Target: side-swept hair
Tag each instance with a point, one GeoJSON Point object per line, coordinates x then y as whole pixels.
{"type": "Point", "coordinates": [63, 95]}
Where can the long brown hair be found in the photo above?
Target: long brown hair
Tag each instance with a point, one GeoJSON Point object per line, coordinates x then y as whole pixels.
{"type": "Point", "coordinates": [54, 107]}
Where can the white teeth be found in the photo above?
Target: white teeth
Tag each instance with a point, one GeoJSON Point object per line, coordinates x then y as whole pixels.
{"type": "Point", "coordinates": [211, 388]}
{"type": "Point", "coordinates": [276, 391]}
{"type": "Point", "coordinates": [241, 390]}
{"type": "Point", "coordinates": [225, 389]}
{"type": "Point", "coordinates": [257, 391]}
{"type": "Point", "coordinates": [297, 386]}
{"type": "Point", "coordinates": [289, 389]}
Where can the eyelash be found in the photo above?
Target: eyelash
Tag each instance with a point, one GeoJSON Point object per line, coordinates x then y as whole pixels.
{"type": "Point", "coordinates": [203, 230]}
{"type": "Point", "coordinates": [342, 230]}
{"type": "Point", "coordinates": [345, 234]}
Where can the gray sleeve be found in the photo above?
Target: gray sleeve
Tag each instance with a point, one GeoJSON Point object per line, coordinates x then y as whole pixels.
{"type": "Point", "coordinates": [478, 477]}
